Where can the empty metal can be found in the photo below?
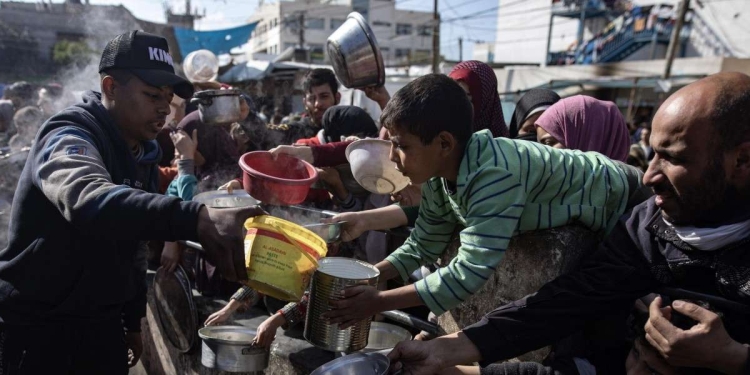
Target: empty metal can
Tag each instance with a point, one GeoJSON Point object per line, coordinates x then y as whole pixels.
{"type": "Point", "coordinates": [328, 282]}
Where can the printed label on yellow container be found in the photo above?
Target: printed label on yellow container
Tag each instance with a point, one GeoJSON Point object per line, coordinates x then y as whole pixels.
{"type": "Point", "coordinates": [281, 257]}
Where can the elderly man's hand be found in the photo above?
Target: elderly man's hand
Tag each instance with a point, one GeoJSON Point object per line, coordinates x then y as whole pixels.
{"type": "Point", "coordinates": [415, 358]}
{"type": "Point", "coordinates": [705, 345]}
{"type": "Point", "coordinates": [221, 233]}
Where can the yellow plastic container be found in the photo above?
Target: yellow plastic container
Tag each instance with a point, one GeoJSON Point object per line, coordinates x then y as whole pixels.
{"type": "Point", "coordinates": [281, 257]}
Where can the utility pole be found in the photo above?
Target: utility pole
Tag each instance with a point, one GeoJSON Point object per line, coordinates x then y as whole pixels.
{"type": "Point", "coordinates": [301, 28]}
{"type": "Point", "coordinates": [675, 39]}
{"type": "Point", "coordinates": [582, 23]}
{"type": "Point", "coordinates": [436, 39]}
{"type": "Point", "coordinates": [460, 49]}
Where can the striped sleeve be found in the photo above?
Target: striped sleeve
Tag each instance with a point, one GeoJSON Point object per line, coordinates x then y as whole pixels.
{"type": "Point", "coordinates": [432, 232]}
{"type": "Point", "coordinates": [495, 200]}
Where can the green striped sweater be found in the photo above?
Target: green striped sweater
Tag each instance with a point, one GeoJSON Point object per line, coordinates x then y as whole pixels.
{"type": "Point", "coordinates": [505, 187]}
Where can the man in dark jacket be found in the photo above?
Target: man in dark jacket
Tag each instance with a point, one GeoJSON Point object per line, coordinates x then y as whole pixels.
{"type": "Point", "coordinates": [72, 287]}
{"type": "Point", "coordinates": [690, 241]}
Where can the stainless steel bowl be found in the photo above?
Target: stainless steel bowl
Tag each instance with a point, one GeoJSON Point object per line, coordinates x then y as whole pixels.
{"type": "Point", "coordinates": [230, 348]}
{"type": "Point", "coordinates": [355, 54]}
{"type": "Point", "coordinates": [358, 363]}
{"type": "Point", "coordinates": [385, 336]}
{"type": "Point", "coordinates": [330, 232]}
{"type": "Point", "coordinates": [223, 199]}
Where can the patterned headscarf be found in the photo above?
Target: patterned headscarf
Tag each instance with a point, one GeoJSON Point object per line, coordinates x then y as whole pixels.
{"type": "Point", "coordinates": [583, 123]}
{"type": "Point", "coordinates": [482, 82]}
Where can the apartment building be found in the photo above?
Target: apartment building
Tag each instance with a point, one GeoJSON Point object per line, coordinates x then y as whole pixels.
{"type": "Point", "coordinates": [404, 36]}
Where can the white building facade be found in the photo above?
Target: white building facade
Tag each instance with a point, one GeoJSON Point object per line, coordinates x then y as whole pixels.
{"type": "Point", "coordinates": [405, 37]}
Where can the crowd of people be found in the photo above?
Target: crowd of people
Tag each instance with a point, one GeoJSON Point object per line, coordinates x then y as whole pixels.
{"type": "Point", "coordinates": [113, 178]}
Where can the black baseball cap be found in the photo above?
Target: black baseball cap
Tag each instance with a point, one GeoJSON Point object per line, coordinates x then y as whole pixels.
{"type": "Point", "coordinates": [147, 57]}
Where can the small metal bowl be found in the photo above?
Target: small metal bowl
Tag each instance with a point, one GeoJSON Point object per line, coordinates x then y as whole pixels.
{"type": "Point", "coordinates": [223, 199]}
{"type": "Point", "coordinates": [330, 232]}
{"type": "Point", "coordinates": [357, 363]}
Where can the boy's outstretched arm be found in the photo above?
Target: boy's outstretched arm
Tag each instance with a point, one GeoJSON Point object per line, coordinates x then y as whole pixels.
{"type": "Point", "coordinates": [362, 302]}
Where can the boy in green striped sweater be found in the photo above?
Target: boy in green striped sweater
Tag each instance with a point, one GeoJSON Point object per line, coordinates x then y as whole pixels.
{"type": "Point", "coordinates": [495, 188]}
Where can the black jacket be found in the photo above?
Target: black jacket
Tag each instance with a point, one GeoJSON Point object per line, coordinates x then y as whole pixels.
{"type": "Point", "coordinates": [642, 255]}
{"type": "Point", "coordinates": [80, 213]}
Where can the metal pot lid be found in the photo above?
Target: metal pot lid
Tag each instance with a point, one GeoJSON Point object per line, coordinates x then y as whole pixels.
{"type": "Point", "coordinates": [232, 335]}
{"type": "Point", "coordinates": [357, 363]}
{"type": "Point", "coordinates": [215, 93]}
{"type": "Point", "coordinates": [223, 199]}
{"type": "Point", "coordinates": [178, 316]}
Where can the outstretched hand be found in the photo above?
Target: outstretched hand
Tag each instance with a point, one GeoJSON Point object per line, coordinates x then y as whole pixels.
{"type": "Point", "coordinates": [221, 232]}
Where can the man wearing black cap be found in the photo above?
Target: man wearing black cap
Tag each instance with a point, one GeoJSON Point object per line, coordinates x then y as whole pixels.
{"type": "Point", "coordinates": [72, 287]}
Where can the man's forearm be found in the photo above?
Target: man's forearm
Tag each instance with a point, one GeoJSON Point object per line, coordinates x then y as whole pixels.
{"type": "Point", "coordinates": [454, 350]}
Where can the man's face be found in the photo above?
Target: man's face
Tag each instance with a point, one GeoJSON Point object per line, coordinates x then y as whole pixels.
{"type": "Point", "coordinates": [141, 109]}
{"type": "Point", "coordinates": [413, 158]}
{"type": "Point", "coordinates": [688, 175]}
{"type": "Point", "coordinates": [318, 100]}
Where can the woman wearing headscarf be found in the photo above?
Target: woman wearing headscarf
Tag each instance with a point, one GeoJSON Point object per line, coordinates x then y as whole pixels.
{"type": "Point", "coordinates": [583, 123]}
{"type": "Point", "coordinates": [528, 109]}
{"type": "Point", "coordinates": [480, 83]}
{"type": "Point", "coordinates": [341, 122]}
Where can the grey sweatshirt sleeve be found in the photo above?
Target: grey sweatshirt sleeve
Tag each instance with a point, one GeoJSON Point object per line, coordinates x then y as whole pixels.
{"type": "Point", "coordinates": [70, 172]}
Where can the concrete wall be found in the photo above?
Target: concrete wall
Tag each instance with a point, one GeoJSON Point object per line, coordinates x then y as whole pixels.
{"type": "Point", "coordinates": [531, 260]}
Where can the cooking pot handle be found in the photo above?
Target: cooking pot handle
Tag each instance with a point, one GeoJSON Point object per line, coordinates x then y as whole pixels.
{"type": "Point", "coordinates": [414, 322]}
{"type": "Point", "coordinates": [295, 244]}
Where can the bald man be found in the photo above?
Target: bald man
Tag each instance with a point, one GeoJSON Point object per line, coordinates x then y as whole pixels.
{"type": "Point", "coordinates": [691, 239]}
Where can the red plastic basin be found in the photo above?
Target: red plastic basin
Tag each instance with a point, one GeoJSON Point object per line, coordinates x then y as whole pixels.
{"type": "Point", "coordinates": [279, 181]}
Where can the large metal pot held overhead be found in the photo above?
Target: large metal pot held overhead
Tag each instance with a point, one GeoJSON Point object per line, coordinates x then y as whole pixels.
{"type": "Point", "coordinates": [218, 106]}
{"type": "Point", "coordinates": [355, 54]}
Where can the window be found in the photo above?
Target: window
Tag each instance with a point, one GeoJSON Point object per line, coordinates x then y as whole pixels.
{"type": "Point", "coordinates": [422, 55]}
{"type": "Point", "coordinates": [316, 53]}
{"type": "Point", "coordinates": [336, 23]}
{"type": "Point", "coordinates": [315, 23]}
{"type": "Point", "coordinates": [381, 24]}
{"type": "Point", "coordinates": [402, 52]}
{"type": "Point", "coordinates": [362, 7]}
{"type": "Point", "coordinates": [403, 29]}
{"type": "Point", "coordinates": [424, 30]}
{"type": "Point", "coordinates": [289, 45]}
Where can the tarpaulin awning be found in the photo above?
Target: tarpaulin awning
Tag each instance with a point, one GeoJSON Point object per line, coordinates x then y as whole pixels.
{"type": "Point", "coordinates": [216, 41]}
{"type": "Point", "coordinates": [251, 70]}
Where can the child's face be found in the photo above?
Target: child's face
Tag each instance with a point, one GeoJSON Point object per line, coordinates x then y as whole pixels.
{"type": "Point", "coordinates": [414, 159]}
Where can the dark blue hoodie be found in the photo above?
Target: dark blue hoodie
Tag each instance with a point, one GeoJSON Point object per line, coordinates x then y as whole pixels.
{"type": "Point", "coordinates": [81, 212]}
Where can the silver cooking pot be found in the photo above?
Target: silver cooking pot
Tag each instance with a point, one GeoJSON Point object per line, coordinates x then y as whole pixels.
{"type": "Point", "coordinates": [230, 348]}
{"type": "Point", "coordinates": [355, 54]}
{"type": "Point", "coordinates": [218, 106]}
